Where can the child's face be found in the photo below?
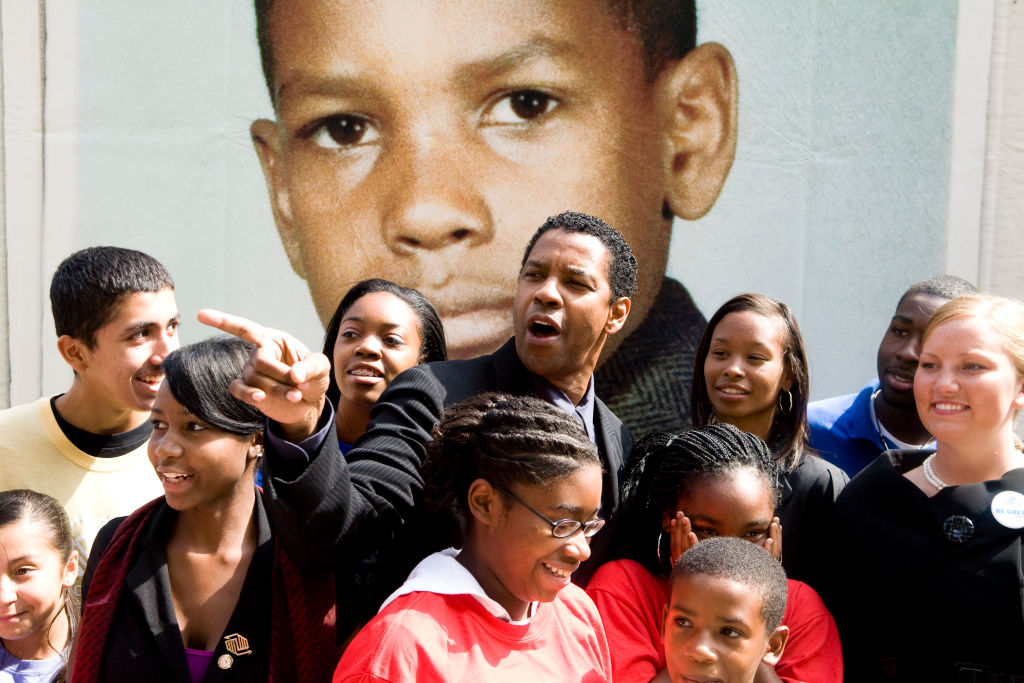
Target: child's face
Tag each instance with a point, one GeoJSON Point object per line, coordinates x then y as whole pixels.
{"type": "Point", "coordinates": [745, 370]}
{"type": "Point", "coordinates": [714, 631]}
{"type": "Point", "coordinates": [198, 465]}
{"type": "Point", "coordinates": [126, 358]}
{"type": "Point", "coordinates": [424, 142]}
{"type": "Point", "coordinates": [379, 337]}
{"type": "Point", "coordinates": [32, 578]}
{"type": "Point", "coordinates": [900, 349]}
{"type": "Point", "coordinates": [522, 562]}
{"type": "Point", "coordinates": [736, 503]}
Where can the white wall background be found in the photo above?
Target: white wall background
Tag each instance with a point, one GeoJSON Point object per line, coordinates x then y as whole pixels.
{"type": "Point", "coordinates": [842, 194]}
{"type": "Point", "coordinates": [837, 199]}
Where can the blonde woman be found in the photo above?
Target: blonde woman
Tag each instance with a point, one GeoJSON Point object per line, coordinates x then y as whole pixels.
{"type": "Point", "coordinates": [932, 542]}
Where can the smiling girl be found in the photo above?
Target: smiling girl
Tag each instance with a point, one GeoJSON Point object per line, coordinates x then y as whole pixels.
{"type": "Point", "coordinates": [378, 330]}
{"type": "Point", "coordinates": [38, 611]}
{"type": "Point", "coordinates": [751, 372]}
{"type": "Point", "coordinates": [931, 544]}
{"type": "Point", "coordinates": [525, 482]}
{"type": "Point", "coordinates": [679, 490]}
{"type": "Point", "coordinates": [192, 587]}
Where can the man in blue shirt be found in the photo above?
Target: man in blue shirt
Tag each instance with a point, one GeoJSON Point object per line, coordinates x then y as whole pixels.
{"type": "Point", "coordinates": [852, 430]}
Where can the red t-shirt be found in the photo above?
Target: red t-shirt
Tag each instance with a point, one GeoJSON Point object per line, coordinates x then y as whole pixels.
{"type": "Point", "coordinates": [631, 602]}
{"type": "Point", "coordinates": [429, 637]}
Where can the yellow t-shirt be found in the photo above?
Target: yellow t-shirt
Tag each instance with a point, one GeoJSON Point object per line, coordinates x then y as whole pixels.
{"type": "Point", "coordinates": [35, 454]}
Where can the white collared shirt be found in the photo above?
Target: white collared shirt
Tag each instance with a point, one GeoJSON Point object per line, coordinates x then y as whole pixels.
{"type": "Point", "coordinates": [442, 574]}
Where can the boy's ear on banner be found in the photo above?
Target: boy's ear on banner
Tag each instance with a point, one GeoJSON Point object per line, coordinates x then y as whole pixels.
{"type": "Point", "coordinates": [698, 101]}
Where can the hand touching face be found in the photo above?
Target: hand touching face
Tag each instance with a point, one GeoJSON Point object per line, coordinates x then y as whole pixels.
{"type": "Point", "coordinates": [737, 503]}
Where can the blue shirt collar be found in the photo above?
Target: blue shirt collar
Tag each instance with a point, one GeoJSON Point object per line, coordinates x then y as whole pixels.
{"type": "Point", "coordinates": [583, 411]}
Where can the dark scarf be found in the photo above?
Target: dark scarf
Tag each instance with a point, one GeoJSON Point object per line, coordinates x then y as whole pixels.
{"type": "Point", "coordinates": [302, 635]}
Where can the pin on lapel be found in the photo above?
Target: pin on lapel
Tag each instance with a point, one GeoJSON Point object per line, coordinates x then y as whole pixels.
{"type": "Point", "coordinates": [237, 644]}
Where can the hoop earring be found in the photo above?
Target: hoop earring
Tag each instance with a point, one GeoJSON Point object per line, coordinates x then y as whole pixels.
{"type": "Point", "coordinates": [660, 534]}
{"type": "Point", "coordinates": [785, 410]}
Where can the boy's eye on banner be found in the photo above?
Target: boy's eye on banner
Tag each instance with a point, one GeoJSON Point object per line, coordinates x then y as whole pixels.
{"type": "Point", "coordinates": [425, 142]}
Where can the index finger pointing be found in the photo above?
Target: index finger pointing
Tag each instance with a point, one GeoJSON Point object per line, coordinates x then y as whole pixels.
{"type": "Point", "coordinates": [240, 327]}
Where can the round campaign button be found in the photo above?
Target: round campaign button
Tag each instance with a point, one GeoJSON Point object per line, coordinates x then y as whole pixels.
{"type": "Point", "coordinates": [958, 528]}
{"type": "Point", "coordinates": [1008, 509]}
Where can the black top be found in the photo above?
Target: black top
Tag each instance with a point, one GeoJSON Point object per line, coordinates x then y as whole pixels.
{"type": "Point", "coordinates": [646, 382]}
{"type": "Point", "coordinates": [806, 512]}
{"type": "Point", "coordinates": [102, 445]}
{"type": "Point", "coordinates": [926, 583]}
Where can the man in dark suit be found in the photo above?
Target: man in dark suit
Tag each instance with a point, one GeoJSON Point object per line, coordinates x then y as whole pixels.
{"type": "Point", "coordinates": [574, 290]}
{"type": "Point", "coordinates": [575, 285]}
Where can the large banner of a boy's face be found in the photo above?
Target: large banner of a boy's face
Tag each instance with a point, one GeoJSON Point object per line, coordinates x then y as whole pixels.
{"type": "Point", "coordinates": [800, 150]}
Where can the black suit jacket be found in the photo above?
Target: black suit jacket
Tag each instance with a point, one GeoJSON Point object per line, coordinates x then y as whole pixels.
{"type": "Point", "coordinates": [502, 371]}
{"type": "Point", "coordinates": [145, 639]}
{"type": "Point", "coordinates": [345, 508]}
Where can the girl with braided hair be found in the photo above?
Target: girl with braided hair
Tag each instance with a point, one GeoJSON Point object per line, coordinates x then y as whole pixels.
{"type": "Point", "coordinates": [678, 490]}
{"type": "Point", "coordinates": [523, 482]}
{"type": "Point", "coordinates": [38, 567]}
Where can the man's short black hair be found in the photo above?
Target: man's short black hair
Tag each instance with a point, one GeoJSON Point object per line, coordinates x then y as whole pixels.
{"type": "Point", "coordinates": [89, 285]}
{"type": "Point", "coordinates": [744, 562]}
{"type": "Point", "coordinates": [621, 262]}
{"type": "Point", "coordinates": [667, 29]}
{"type": "Point", "coordinates": [947, 287]}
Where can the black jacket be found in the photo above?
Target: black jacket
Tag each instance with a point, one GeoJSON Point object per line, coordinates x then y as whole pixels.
{"type": "Point", "coordinates": [344, 509]}
{"type": "Point", "coordinates": [929, 588]}
{"type": "Point", "coordinates": [145, 643]}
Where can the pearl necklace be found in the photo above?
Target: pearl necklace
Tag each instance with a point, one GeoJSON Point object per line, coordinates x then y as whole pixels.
{"type": "Point", "coordinates": [930, 475]}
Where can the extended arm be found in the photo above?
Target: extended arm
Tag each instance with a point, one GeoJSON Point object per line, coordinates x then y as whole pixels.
{"type": "Point", "coordinates": [324, 504]}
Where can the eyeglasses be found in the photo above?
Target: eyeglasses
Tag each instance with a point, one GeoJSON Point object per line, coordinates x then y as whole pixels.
{"type": "Point", "coordinates": [563, 528]}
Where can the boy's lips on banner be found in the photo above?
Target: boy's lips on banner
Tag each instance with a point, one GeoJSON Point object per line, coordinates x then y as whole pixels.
{"type": "Point", "coordinates": [477, 319]}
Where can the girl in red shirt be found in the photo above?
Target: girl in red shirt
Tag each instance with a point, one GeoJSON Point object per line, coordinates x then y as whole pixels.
{"type": "Point", "coordinates": [524, 481]}
{"type": "Point", "coordinates": [680, 489]}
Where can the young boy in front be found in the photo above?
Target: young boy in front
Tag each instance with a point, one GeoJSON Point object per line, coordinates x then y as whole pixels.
{"type": "Point", "coordinates": [116, 320]}
{"type": "Point", "coordinates": [423, 142]}
{"type": "Point", "coordinates": [724, 614]}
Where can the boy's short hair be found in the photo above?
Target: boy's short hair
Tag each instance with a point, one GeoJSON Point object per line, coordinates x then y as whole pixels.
{"type": "Point", "coordinates": [744, 562]}
{"type": "Point", "coordinates": [621, 261]}
{"type": "Point", "coordinates": [667, 28]}
{"type": "Point", "coordinates": [88, 286]}
{"type": "Point", "coordinates": [947, 287]}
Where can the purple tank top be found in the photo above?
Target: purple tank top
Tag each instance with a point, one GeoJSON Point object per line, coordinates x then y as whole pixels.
{"type": "Point", "coordinates": [198, 663]}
